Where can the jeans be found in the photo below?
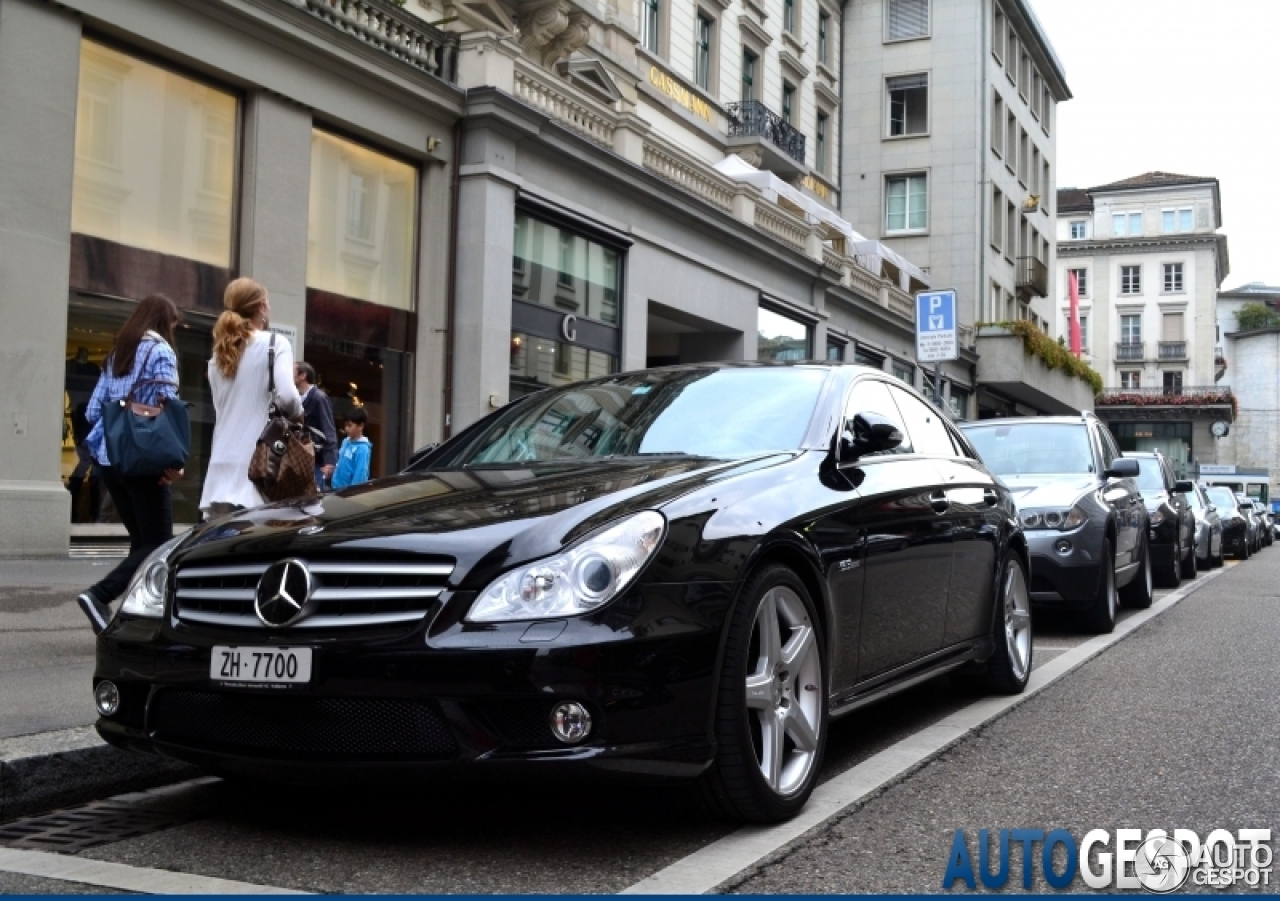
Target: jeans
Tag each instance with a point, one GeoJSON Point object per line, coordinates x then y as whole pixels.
{"type": "Point", "coordinates": [146, 509]}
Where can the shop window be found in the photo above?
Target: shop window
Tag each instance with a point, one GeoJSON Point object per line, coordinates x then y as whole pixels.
{"type": "Point", "coordinates": [781, 337]}
{"type": "Point", "coordinates": [538, 363]}
{"type": "Point", "coordinates": [154, 181]}
{"type": "Point", "coordinates": [360, 237]}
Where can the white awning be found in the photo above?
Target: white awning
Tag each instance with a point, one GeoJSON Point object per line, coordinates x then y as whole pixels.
{"type": "Point", "coordinates": [870, 253]}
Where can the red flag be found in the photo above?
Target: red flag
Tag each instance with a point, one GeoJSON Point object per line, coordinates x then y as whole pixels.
{"type": "Point", "coordinates": [1074, 325]}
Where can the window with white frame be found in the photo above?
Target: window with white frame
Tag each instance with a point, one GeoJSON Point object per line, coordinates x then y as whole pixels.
{"type": "Point", "coordinates": [824, 28]}
{"type": "Point", "coordinates": [1131, 328]}
{"type": "Point", "coordinates": [1011, 228]}
{"type": "Point", "coordinates": [1010, 141]}
{"type": "Point", "coordinates": [1172, 278]}
{"type": "Point", "coordinates": [1082, 282]}
{"type": "Point", "coordinates": [748, 75]}
{"type": "Point", "coordinates": [788, 101]}
{"type": "Point", "coordinates": [997, 32]}
{"type": "Point", "coordinates": [1024, 159]}
{"type": "Point", "coordinates": [1130, 279]}
{"type": "Point", "coordinates": [1176, 220]}
{"type": "Point", "coordinates": [997, 123]}
{"type": "Point", "coordinates": [1084, 333]}
{"type": "Point", "coordinates": [1079, 229]}
{"type": "Point", "coordinates": [702, 51]}
{"type": "Point", "coordinates": [1171, 382]}
{"type": "Point", "coordinates": [1011, 56]}
{"type": "Point", "coordinates": [997, 218]}
{"type": "Point", "coordinates": [1131, 379]}
{"type": "Point", "coordinates": [649, 25]}
{"type": "Point", "coordinates": [820, 145]}
{"type": "Point", "coordinates": [908, 105]}
{"type": "Point", "coordinates": [1024, 77]}
{"type": "Point", "coordinates": [1035, 93]}
{"type": "Point", "coordinates": [907, 19]}
{"type": "Point", "coordinates": [789, 16]}
{"type": "Point", "coordinates": [1123, 224]}
{"type": "Point", "coordinates": [906, 205]}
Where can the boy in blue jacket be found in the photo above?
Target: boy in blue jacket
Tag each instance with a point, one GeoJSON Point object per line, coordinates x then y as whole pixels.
{"type": "Point", "coordinates": [353, 457]}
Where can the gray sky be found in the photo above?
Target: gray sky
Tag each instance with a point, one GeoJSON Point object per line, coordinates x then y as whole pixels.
{"type": "Point", "coordinates": [1177, 86]}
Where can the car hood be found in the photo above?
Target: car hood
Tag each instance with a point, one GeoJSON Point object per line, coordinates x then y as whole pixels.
{"type": "Point", "coordinates": [1048, 490]}
{"type": "Point", "coordinates": [487, 519]}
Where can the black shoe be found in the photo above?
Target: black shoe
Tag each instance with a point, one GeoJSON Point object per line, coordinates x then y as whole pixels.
{"type": "Point", "coordinates": [99, 613]}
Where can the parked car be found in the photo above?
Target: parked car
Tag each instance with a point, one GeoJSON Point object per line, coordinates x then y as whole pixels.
{"type": "Point", "coordinates": [685, 573]}
{"type": "Point", "coordinates": [1085, 522]}
{"type": "Point", "coordinates": [1268, 525]}
{"type": "Point", "coordinates": [1172, 534]}
{"type": "Point", "coordinates": [1247, 507]}
{"type": "Point", "coordinates": [1208, 528]}
{"type": "Point", "coordinates": [1236, 537]}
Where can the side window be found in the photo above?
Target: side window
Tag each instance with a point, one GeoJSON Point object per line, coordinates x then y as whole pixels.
{"type": "Point", "coordinates": [1109, 449]}
{"type": "Point", "coordinates": [872, 396]}
{"type": "Point", "coordinates": [925, 424]}
{"type": "Point", "coordinates": [963, 447]}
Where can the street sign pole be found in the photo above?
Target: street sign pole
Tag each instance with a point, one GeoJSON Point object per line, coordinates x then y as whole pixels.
{"type": "Point", "coordinates": [937, 333]}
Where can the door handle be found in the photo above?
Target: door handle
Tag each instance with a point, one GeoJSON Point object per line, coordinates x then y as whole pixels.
{"type": "Point", "coordinates": [938, 501]}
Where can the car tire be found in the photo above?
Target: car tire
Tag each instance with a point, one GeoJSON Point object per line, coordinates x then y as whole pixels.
{"type": "Point", "coordinates": [1010, 665]}
{"type": "Point", "coordinates": [1100, 618]}
{"type": "Point", "coordinates": [771, 711]}
{"type": "Point", "coordinates": [1138, 594]}
{"type": "Point", "coordinates": [1167, 576]}
{"type": "Point", "coordinates": [1189, 561]}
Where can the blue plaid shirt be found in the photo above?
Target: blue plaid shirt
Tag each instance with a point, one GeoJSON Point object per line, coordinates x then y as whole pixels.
{"type": "Point", "coordinates": [154, 360]}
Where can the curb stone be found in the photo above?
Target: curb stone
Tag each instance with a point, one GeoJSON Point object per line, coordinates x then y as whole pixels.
{"type": "Point", "coordinates": [71, 766]}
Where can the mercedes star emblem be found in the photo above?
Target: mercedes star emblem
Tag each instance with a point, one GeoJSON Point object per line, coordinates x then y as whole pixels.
{"type": "Point", "coordinates": [283, 592]}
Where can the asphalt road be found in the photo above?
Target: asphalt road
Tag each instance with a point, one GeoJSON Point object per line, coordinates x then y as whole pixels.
{"type": "Point", "coordinates": [1172, 727]}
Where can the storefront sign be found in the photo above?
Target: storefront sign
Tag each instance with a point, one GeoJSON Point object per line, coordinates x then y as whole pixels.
{"type": "Point", "coordinates": [569, 327]}
{"type": "Point", "coordinates": [1217, 469]}
{"type": "Point", "coordinates": [679, 93]}
{"type": "Point", "coordinates": [816, 187]}
{"type": "Point", "coordinates": [287, 331]}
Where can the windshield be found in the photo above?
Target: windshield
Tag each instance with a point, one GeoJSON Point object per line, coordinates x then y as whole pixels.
{"type": "Point", "coordinates": [719, 413]}
{"type": "Point", "coordinates": [1149, 476]}
{"type": "Point", "coordinates": [1222, 497]}
{"type": "Point", "coordinates": [1013, 450]}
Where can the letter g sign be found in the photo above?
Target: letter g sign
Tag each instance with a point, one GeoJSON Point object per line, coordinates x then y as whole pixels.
{"type": "Point", "coordinates": [569, 327]}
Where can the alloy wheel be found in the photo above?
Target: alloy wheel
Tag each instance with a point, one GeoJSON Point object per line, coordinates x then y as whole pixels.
{"type": "Point", "coordinates": [1017, 621]}
{"type": "Point", "coordinates": [784, 690]}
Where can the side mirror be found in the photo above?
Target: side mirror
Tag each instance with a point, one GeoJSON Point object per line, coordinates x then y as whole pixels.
{"type": "Point", "coordinates": [868, 433]}
{"type": "Point", "coordinates": [1212, 509]}
{"type": "Point", "coordinates": [1184, 486]}
{"type": "Point", "coordinates": [1122, 468]}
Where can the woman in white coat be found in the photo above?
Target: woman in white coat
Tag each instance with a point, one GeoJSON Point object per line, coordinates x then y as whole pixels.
{"type": "Point", "coordinates": [241, 400]}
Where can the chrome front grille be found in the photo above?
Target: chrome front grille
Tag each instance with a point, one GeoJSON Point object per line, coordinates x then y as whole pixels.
{"type": "Point", "coordinates": [344, 594]}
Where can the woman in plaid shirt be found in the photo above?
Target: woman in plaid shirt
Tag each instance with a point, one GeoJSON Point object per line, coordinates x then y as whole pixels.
{"type": "Point", "coordinates": [143, 350]}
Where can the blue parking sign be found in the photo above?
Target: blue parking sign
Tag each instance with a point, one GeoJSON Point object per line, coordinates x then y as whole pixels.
{"type": "Point", "coordinates": [937, 337]}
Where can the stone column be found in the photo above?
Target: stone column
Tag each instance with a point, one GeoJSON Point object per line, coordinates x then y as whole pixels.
{"type": "Point", "coordinates": [39, 71]}
{"type": "Point", "coordinates": [486, 241]}
{"type": "Point", "coordinates": [275, 192]}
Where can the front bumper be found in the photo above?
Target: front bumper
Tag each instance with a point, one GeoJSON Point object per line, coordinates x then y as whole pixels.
{"type": "Point", "coordinates": [439, 696]}
{"type": "Point", "coordinates": [1065, 580]}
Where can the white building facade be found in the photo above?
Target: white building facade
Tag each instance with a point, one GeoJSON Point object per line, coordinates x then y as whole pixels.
{"type": "Point", "coordinates": [1149, 260]}
{"type": "Point", "coordinates": [949, 154]}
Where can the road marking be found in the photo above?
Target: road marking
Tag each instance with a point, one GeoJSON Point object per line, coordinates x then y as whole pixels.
{"type": "Point", "coordinates": [711, 867]}
{"type": "Point", "coordinates": [122, 876]}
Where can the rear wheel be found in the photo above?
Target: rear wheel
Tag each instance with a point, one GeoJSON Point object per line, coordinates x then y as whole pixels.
{"type": "Point", "coordinates": [1010, 666]}
{"type": "Point", "coordinates": [1138, 594]}
{"type": "Point", "coordinates": [1101, 615]}
{"type": "Point", "coordinates": [771, 714]}
{"type": "Point", "coordinates": [1189, 561]}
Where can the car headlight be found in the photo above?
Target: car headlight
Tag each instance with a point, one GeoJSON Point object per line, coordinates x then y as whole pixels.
{"type": "Point", "coordinates": [1157, 517]}
{"type": "Point", "coordinates": [578, 580]}
{"type": "Point", "coordinates": [145, 596]}
{"type": "Point", "coordinates": [1062, 520]}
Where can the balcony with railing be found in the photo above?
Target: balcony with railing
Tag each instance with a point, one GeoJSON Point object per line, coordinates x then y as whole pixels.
{"type": "Point", "coordinates": [1173, 350]}
{"type": "Point", "coordinates": [1033, 278]}
{"type": "Point", "coordinates": [757, 131]}
{"type": "Point", "coordinates": [1131, 352]}
{"type": "Point", "coordinates": [384, 25]}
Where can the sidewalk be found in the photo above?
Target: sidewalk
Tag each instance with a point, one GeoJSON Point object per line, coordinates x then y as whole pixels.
{"type": "Point", "coordinates": [49, 751]}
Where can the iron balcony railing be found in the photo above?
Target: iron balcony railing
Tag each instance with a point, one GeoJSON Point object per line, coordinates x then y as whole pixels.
{"type": "Point", "coordinates": [752, 119]}
{"type": "Point", "coordinates": [1033, 277]}
{"type": "Point", "coordinates": [1173, 350]}
{"type": "Point", "coordinates": [1154, 396]}
{"type": "Point", "coordinates": [1130, 351]}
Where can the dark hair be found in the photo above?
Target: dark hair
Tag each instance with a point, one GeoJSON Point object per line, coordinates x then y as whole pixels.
{"type": "Point", "coordinates": [308, 371]}
{"type": "Point", "coordinates": [156, 313]}
{"type": "Point", "coordinates": [358, 416]}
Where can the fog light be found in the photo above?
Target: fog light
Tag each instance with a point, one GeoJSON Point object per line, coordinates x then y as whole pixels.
{"type": "Point", "coordinates": [570, 722]}
{"type": "Point", "coordinates": [107, 697]}
{"type": "Point", "coordinates": [1062, 546]}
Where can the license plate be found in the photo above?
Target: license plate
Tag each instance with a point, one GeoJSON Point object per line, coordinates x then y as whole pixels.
{"type": "Point", "coordinates": [260, 666]}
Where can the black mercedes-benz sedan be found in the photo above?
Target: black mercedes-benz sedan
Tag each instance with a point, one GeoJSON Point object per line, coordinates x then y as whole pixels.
{"type": "Point", "coordinates": [677, 573]}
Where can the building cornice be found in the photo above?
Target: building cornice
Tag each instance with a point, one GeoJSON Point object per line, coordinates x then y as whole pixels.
{"type": "Point", "coordinates": [1162, 243]}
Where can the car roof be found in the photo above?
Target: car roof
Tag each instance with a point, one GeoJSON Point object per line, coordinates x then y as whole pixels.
{"type": "Point", "coordinates": [1024, 420]}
